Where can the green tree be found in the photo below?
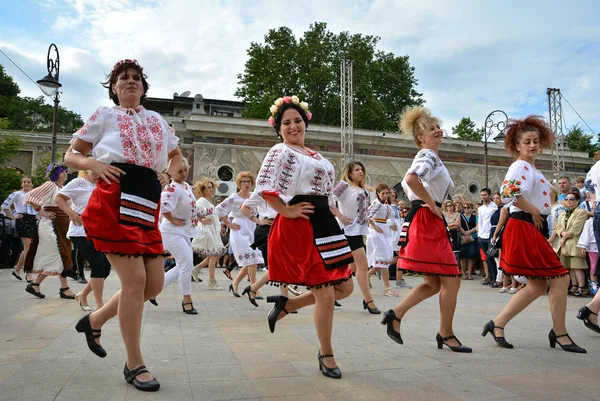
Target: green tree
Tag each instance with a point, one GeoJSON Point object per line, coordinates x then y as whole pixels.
{"type": "Point", "coordinates": [309, 67]}
{"type": "Point", "coordinates": [466, 129]}
{"type": "Point", "coordinates": [9, 177]}
{"type": "Point", "coordinates": [579, 141]}
{"type": "Point", "coordinates": [32, 114]}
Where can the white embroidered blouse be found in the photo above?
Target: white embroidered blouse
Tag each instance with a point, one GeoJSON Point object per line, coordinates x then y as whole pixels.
{"type": "Point", "coordinates": [179, 200]}
{"type": "Point", "coordinates": [432, 173]}
{"type": "Point", "coordinates": [353, 202]}
{"type": "Point", "coordinates": [78, 191]}
{"type": "Point", "coordinates": [133, 136]}
{"type": "Point", "coordinates": [592, 179]}
{"type": "Point", "coordinates": [16, 200]}
{"type": "Point", "coordinates": [232, 204]}
{"type": "Point", "coordinates": [522, 179]}
{"type": "Point", "coordinates": [287, 172]}
{"type": "Point", "coordinates": [380, 211]}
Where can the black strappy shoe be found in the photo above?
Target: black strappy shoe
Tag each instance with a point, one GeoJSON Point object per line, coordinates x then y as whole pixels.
{"type": "Point", "coordinates": [84, 326]}
{"type": "Point", "coordinates": [489, 328]}
{"type": "Point", "coordinates": [15, 275]}
{"type": "Point", "coordinates": [235, 294]}
{"type": "Point", "coordinates": [33, 292]}
{"type": "Point", "coordinates": [333, 373]}
{"type": "Point", "coordinates": [279, 306]}
{"type": "Point", "coordinates": [388, 319]}
{"type": "Point", "coordinates": [131, 378]}
{"type": "Point", "coordinates": [569, 347]}
{"type": "Point", "coordinates": [192, 311]}
{"type": "Point", "coordinates": [584, 314]}
{"type": "Point", "coordinates": [441, 341]}
{"type": "Point", "coordinates": [62, 294]}
{"type": "Point", "coordinates": [374, 310]}
{"type": "Point", "coordinates": [248, 290]}
{"type": "Point", "coordinates": [153, 301]}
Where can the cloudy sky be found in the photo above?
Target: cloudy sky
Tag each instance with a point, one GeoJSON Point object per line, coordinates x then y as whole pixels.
{"type": "Point", "coordinates": [471, 57]}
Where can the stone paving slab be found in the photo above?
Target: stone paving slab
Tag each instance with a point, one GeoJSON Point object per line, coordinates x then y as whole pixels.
{"type": "Point", "coordinates": [226, 352]}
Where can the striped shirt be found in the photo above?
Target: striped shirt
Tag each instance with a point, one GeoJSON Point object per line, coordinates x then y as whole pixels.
{"type": "Point", "coordinates": [43, 195]}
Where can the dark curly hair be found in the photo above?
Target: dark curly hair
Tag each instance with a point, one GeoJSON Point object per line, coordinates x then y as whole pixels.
{"type": "Point", "coordinates": [282, 109]}
{"type": "Point", "coordinates": [111, 79]}
{"type": "Point", "coordinates": [533, 123]}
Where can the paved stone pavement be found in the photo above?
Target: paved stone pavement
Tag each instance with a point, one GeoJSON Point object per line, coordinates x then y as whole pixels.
{"type": "Point", "coordinates": [227, 353]}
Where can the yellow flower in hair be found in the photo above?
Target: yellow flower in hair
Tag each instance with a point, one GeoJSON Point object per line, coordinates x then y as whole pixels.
{"type": "Point", "coordinates": [279, 102]}
{"type": "Point", "coordinates": [295, 100]}
{"type": "Point", "coordinates": [274, 109]}
{"type": "Point", "coordinates": [304, 106]}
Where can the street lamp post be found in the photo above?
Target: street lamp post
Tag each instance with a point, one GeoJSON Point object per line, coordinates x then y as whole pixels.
{"type": "Point", "coordinates": [496, 119]}
{"type": "Point", "coordinates": [50, 85]}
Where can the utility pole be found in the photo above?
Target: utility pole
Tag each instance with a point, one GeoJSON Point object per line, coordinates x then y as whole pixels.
{"type": "Point", "coordinates": [556, 124]}
{"type": "Point", "coordinates": [347, 120]}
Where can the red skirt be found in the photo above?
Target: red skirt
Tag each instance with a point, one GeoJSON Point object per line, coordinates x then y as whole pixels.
{"type": "Point", "coordinates": [526, 252]}
{"type": "Point", "coordinates": [294, 258]}
{"type": "Point", "coordinates": [428, 250]}
{"type": "Point", "coordinates": [104, 224]}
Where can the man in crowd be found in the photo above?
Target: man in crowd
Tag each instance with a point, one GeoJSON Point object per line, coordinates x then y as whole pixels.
{"type": "Point", "coordinates": [564, 186]}
{"type": "Point", "coordinates": [484, 213]}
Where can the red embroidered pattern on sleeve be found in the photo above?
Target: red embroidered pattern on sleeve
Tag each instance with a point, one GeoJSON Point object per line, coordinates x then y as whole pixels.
{"type": "Point", "coordinates": [83, 130]}
{"type": "Point", "coordinates": [130, 151]}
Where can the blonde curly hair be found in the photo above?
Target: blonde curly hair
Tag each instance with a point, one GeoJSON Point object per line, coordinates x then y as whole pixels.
{"type": "Point", "coordinates": [200, 186]}
{"type": "Point", "coordinates": [414, 120]}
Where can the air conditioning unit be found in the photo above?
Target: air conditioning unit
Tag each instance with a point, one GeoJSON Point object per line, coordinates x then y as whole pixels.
{"type": "Point", "coordinates": [225, 188]}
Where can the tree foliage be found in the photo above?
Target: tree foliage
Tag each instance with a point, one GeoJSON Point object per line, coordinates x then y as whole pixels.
{"type": "Point", "coordinates": [579, 141]}
{"type": "Point", "coordinates": [309, 67]}
{"type": "Point", "coordinates": [466, 129]}
{"type": "Point", "coordinates": [32, 114]}
{"type": "Point", "coordinates": [9, 177]}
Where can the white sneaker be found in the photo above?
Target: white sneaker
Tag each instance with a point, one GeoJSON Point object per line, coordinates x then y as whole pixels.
{"type": "Point", "coordinates": [213, 285]}
{"type": "Point", "coordinates": [503, 290]}
{"type": "Point", "coordinates": [512, 291]}
{"type": "Point", "coordinates": [402, 284]}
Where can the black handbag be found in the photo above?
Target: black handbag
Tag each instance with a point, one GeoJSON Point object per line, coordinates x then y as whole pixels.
{"type": "Point", "coordinates": [494, 248]}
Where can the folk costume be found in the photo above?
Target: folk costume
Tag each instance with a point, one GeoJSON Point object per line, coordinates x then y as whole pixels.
{"type": "Point", "coordinates": [179, 200]}
{"type": "Point", "coordinates": [379, 245]}
{"type": "Point", "coordinates": [425, 243]}
{"type": "Point", "coordinates": [208, 241]}
{"type": "Point", "coordinates": [311, 252]}
{"type": "Point", "coordinates": [50, 249]}
{"type": "Point", "coordinates": [525, 249]}
{"type": "Point", "coordinates": [26, 226]}
{"type": "Point", "coordinates": [79, 192]}
{"type": "Point", "coordinates": [122, 217]}
{"type": "Point", "coordinates": [244, 237]}
{"type": "Point", "coordinates": [353, 202]}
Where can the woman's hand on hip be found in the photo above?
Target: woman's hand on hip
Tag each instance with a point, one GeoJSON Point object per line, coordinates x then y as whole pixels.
{"type": "Point", "coordinates": [107, 172]}
{"type": "Point", "coordinates": [299, 210]}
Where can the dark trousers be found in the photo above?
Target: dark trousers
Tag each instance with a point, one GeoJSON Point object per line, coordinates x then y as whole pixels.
{"type": "Point", "coordinates": [78, 262]}
{"type": "Point", "coordinates": [596, 226]}
{"type": "Point", "coordinates": [491, 262]}
{"type": "Point", "coordinates": [99, 264]}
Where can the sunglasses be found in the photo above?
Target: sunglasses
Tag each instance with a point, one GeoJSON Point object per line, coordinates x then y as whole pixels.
{"type": "Point", "coordinates": [570, 199]}
{"type": "Point", "coordinates": [468, 207]}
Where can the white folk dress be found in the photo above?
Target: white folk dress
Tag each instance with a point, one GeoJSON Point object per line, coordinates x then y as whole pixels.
{"type": "Point", "coordinates": [379, 245]}
{"type": "Point", "coordinates": [208, 241]}
{"type": "Point", "coordinates": [244, 237]}
{"type": "Point", "coordinates": [353, 202]}
{"type": "Point", "coordinates": [78, 191]}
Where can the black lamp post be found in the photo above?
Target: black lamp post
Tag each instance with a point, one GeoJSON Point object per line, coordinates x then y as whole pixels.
{"type": "Point", "coordinates": [50, 85]}
{"type": "Point", "coordinates": [496, 119]}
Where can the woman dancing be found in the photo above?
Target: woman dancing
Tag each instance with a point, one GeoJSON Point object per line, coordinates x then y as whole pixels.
{"type": "Point", "coordinates": [78, 193]}
{"type": "Point", "coordinates": [306, 245]}
{"type": "Point", "coordinates": [426, 247]}
{"type": "Point", "coordinates": [525, 248]}
{"type": "Point", "coordinates": [242, 230]}
{"type": "Point", "coordinates": [353, 204]}
{"type": "Point", "coordinates": [49, 253]}
{"type": "Point", "coordinates": [379, 240]}
{"type": "Point", "coordinates": [130, 146]}
{"type": "Point", "coordinates": [26, 222]}
{"type": "Point", "coordinates": [208, 242]}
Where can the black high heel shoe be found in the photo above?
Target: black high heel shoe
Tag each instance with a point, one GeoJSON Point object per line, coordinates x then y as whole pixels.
{"type": "Point", "coordinates": [62, 294]}
{"type": "Point", "coordinates": [336, 303]}
{"type": "Point", "coordinates": [374, 310]}
{"type": "Point", "coordinates": [279, 306]}
{"type": "Point", "coordinates": [569, 347]}
{"type": "Point", "coordinates": [131, 378]}
{"type": "Point", "coordinates": [33, 292]}
{"type": "Point", "coordinates": [192, 311]}
{"type": "Point", "coordinates": [388, 319]}
{"type": "Point", "coordinates": [441, 341]}
{"type": "Point", "coordinates": [153, 301]}
{"type": "Point", "coordinates": [84, 326]}
{"type": "Point", "coordinates": [235, 294]}
{"type": "Point", "coordinates": [489, 328]}
{"type": "Point", "coordinates": [248, 290]}
{"type": "Point", "coordinates": [584, 314]}
{"type": "Point", "coordinates": [333, 373]}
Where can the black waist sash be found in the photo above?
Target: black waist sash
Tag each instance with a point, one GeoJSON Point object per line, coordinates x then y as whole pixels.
{"type": "Point", "coordinates": [529, 218]}
{"type": "Point", "coordinates": [140, 196]}
{"type": "Point", "coordinates": [328, 236]}
{"type": "Point", "coordinates": [415, 206]}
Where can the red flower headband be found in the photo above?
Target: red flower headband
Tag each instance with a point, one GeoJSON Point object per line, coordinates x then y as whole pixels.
{"type": "Point", "coordinates": [127, 61]}
{"type": "Point", "coordinates": [287, 99]}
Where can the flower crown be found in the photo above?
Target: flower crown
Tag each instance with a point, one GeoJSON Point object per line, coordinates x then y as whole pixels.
{"type": "Point", "coordinates": [52, 167]}
{"type": "Point", "coordinates": [127, 61]}
{"type": "Point", "coordinates": [287, 99]}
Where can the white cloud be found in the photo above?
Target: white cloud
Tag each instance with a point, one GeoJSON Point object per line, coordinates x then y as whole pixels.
{"type": "Point", "coordinates": [471, 57]}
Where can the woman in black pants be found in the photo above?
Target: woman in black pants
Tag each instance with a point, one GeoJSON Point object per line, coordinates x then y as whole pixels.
{"type": "Point", "coordinates": [78, 191]}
